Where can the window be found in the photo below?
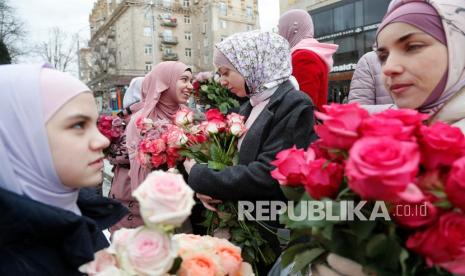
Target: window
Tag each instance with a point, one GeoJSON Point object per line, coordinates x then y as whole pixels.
{"type": "Point", "coordinates": [188, 36]}
{"type": "Point", "coordinates": [167, 34]}
{"type": "Point", "coordinates": [344, 17]}
{"type": "Point", "coordinates": [187, 19]}
{"type": "Point", "coordinates": [358, 13]}
{"type": "Point", "coordinates": [205, 59]}
{"type": "Point", "coordinates": [223, 8]}
{"type": "Point", "coordinates": [148, 49]}
{"type": "Point", "coordinates": [249, 27]}
{"type": "Point", "coordinates": [249, 12]}
{"type": "Point", "coordinates": [167, 3]}
{"type": "Point", "coordinates": [147, 31]}
{"type": "Point", "coordinates": [374, 10]}
{"type": "Point", "coordinates": [369, 40]}
{"type": "Point", "coordinates": [148, 15]}
{"type": "Point", "coordinates": [186, 3]}
{"type": "Point", "coordinates": [323, 23]}
{"type": "Point", "coordinates": [205, 41]}
{"type": "Point", "coordinates": [223, 24]}
{"type": "Point", "coordinates": [148, 66]}
{"type": "Point", "coordinates": [188, 52]}
{"type": "Point", "coordinates": [168, 50]}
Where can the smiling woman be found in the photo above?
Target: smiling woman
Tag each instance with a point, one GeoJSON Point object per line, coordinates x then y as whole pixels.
{"type": "Point", "coordinates": [51, 148]}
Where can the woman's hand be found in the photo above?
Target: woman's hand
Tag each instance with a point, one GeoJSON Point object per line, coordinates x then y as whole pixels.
{"type": "Point", "coordinates": [207, 201]}
{"type": "Point", "coordinates": [338, 266]}
{"type": "Point", "coordinates": [188, 164]}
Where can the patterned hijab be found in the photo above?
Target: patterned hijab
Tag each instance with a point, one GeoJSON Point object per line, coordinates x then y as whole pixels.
{"type": "Point", "coordinates": [262, 58]}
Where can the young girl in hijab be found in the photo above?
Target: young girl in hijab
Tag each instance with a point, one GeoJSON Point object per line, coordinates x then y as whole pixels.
{"type": "Point", "coordinates": [420, 45]}
{"type": "Point", "coordinates": [51, 151]}
{"type": "Point", "coordinates": [256, 65]}
{"type": "Point", "coordinates": [311, 60]}
{"type": "Point", "coordinates": [164, 91]}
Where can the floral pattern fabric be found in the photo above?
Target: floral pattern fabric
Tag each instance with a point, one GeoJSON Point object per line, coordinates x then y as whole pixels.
{"type": "Point", "coordinates": [262, 58]}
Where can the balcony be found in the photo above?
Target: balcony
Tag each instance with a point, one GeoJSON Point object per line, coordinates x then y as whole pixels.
{"type": "Point", "coordinates": [172, 22]}
{"type": "Point", "coordinates": [171, 40]}
{"type": "Point", "coordinates": [169, 56]}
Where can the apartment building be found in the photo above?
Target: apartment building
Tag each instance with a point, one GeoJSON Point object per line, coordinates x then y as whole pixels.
{"type": "Point", "coordinates": [128, 37]}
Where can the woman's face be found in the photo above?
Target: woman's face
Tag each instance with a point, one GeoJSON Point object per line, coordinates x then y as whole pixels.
{"type": "Point", "coordinates": [412, 63]}
{"type": "Point", "coordinates": [76, 144]}
{"type": "Point", "coordinates": [184, 87]}
{"type": "Point", "coordinates": [232, 80]}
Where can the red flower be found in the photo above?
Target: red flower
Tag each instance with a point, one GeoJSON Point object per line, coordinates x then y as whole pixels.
{"type": "Point", "coordinates": [441, 145]}
{"type": "Point", "coordinates": [196, 85]}
{"type": "Point", "coordinates": [455, 186]}
{"type": "Point", "coordinates": [323, 179]}
{"type": "Point", "coordinates": [291, 166]}
{"type": "Point", "coordinates": [442, 244]}
{"type": "Point", "coordinates": [340, 124]}
{"type": "Point", "coordinates": [379, 126]}
{"type": "Point", "coordinates": [409, 117]}
{"type": "Point", "coordinates": [158, 159]}
{"type": "Point", "coordinates": [215, 115]}
{"type": "Point", "coordinates": [382, 167]}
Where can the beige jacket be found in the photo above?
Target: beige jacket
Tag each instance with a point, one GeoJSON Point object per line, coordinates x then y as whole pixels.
{"type": "Point", "coordinates": [453, 112]}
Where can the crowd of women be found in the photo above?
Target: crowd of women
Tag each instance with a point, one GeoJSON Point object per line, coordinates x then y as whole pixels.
{"type": "Point", "coordinates": [51, 150]}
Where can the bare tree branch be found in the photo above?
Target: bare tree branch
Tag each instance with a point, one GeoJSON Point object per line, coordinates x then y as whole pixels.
{"type": "Point", "coordinates": [59, 49]}
{"type": "Point", "coordinates": [12, 30]}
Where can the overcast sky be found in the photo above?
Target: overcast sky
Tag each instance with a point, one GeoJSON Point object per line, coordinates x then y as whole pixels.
{"type": "Point", "coordinates": [72, 15]}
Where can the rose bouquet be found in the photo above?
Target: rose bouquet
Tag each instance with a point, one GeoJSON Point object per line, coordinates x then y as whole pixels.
{"type": "Point", "coordinates": [113, 127]}
{"type": "Point", "coordinates": [209, 92]}
{"type": "Point", "coordinates": [214, 142]}
{"type": "Point", "coordinates": [160, 144]}
{"type": "Point", "coordinates": [384, 190]}
{"type": "Point", "coordinates": [165, 202]}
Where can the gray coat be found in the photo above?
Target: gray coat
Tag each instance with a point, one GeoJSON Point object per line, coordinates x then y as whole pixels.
{"type": "Point", "coordinates": [366, 87]}
{"type": "Point", "coordinates": [286, 120]}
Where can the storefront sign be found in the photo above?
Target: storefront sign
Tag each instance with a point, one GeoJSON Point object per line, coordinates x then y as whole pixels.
{"type": "Point", "coordinates": [349, 32]}
{"type": "Point", "coordinates": [343, 67]}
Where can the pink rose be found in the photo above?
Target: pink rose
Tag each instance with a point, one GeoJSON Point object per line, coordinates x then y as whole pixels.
{"type": "Point", "coordinates": [379, 126]}
{"type": "Point", "coordinates": [443, 243]}
{"type": "Point", "coordinates": [147, 252]}
{"type": "Point", "coordinates": [156, 160]}
{"type": "Point", "coordinates": [441, 145]}
{"type": "Point", "coordinates": [381, 167]}
{"type": "Point", "coordinates": [175, 137]}
{"type": "Point", "coordinates": [184, 117]}
{"type": "Point", "coordinates": [340, 124]}
{"type": "Point", "coordinates": [103, 263]}
{"type": "Point", "coordinates": [323, 179]}
{"type": "Point", "coordinates": [455, 186]}
{"type": "Point", "coordinates": [144, 124]}
{"type": "Point", "coordinates": [230, 258]}
{"type": "Point", "coordinates": [291, 166]}
{"type": "Point", "coordinates": [237, 129]}
{"type": "Point", "coordinates": [155, 146]}
{"type": "Point", "coordinates": [165, 199]}
{"type": "Point", "coordinates": [409, 117]}
{"type": "Point", "coordinates": [235, 118]}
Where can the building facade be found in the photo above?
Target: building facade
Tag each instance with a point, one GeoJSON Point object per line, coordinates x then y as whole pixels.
{"type": "Point", "coordinates": [128, 37]}
{"type": "Point", "coordinates": [352, 25]}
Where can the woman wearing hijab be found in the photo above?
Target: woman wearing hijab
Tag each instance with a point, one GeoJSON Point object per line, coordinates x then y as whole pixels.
{"type": "Point", "coordinates": [415, 35]}
{"type": "Point", "coordinates": [164, 91]}
{"type": "Point", "coordinates": [51, 150]}
{"type": "Point", "coordinates": [256, 65]}
{"type": "Point", "coordinates": [121, 184]}
{"type": "Point", "coordinates": [311, 60]}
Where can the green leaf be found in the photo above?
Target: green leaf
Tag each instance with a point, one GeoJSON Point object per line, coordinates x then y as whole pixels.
{"type": "Point", "coordinates": [362, 229]}
{"type": "Point", "coordinates": [376, 245]}
{"type": "Point", "coordinates": [303, 259]}
{"type": "Point", "coordinates": [216, 165]}
{"type": "Point", "coordinates": [204, 88]}
{"type": "Point", "coordinates": [176, 265]}
{"type": "Point", "coordinates": [290, 253]}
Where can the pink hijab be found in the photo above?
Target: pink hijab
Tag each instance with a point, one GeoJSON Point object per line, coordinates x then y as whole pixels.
{"type": "Point", "coordinates": [296, 26]}
{"type": "Point", "coordinates": [159, 99]}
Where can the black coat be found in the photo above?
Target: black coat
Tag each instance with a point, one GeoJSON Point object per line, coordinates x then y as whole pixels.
{"type": "Point", "coordinates": [286, 120]}
{"type": "Point", "coordinates": [39, 239]}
